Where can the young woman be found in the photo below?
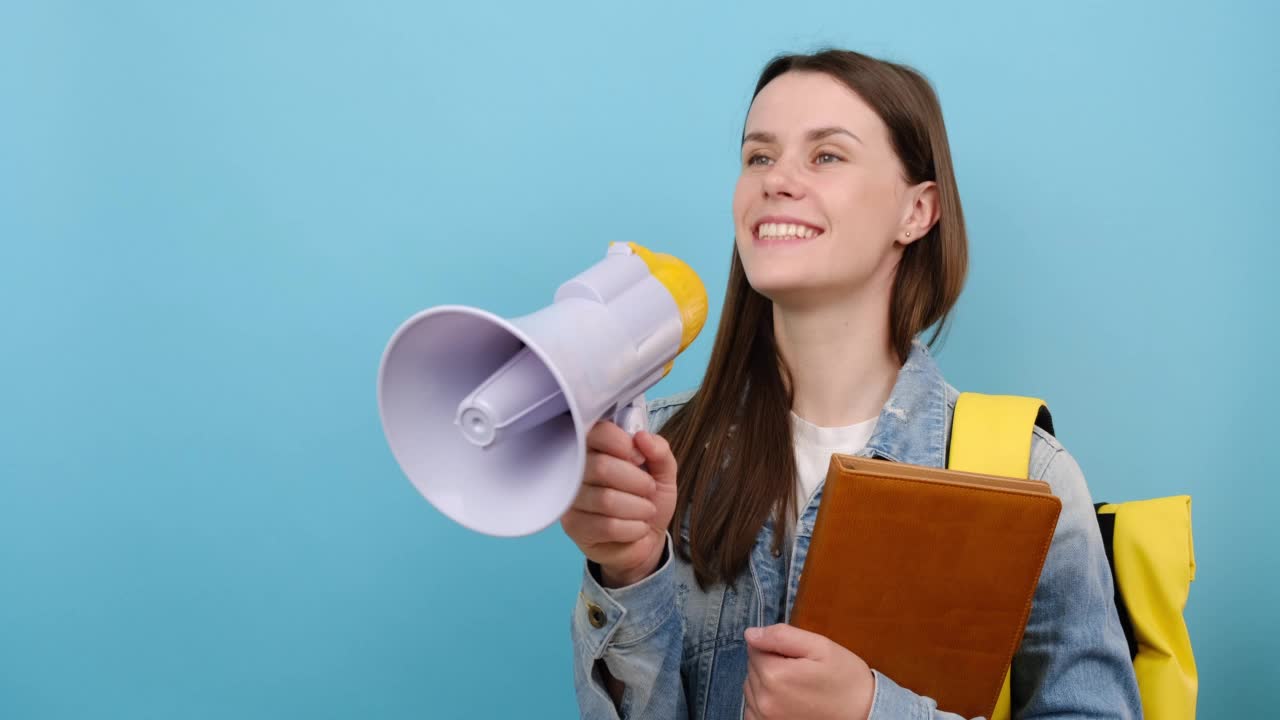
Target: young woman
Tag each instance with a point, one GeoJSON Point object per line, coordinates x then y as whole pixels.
{"type": "Point", "coordinates": [850, 243]}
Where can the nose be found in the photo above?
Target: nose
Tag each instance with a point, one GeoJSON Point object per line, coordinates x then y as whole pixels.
{"type": "Point", "coordinates": [781, 181]}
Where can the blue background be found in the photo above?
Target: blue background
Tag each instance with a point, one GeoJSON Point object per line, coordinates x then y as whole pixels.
{"type": "Point", "coordinates": [212, 218]}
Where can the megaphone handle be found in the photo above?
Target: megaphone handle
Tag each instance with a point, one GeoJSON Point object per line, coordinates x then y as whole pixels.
{"type": "Point", "coordinates": [633, 417]}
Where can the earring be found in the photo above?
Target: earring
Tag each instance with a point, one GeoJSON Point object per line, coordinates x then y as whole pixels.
{"type": "Point", "coordinates": [908, 234]}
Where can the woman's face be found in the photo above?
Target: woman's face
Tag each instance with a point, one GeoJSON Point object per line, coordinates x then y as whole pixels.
{"type": "Point", "coordinates": [821, 200]}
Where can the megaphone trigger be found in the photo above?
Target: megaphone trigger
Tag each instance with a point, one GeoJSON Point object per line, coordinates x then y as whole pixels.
{"type": "Point", "coordinates": [633, 417]}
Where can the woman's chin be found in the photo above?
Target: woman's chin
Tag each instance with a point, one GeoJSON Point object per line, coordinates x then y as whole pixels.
{"type": "Point", "coordinates": [779, 288]}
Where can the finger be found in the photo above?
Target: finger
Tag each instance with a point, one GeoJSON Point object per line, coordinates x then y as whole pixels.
{"type": "Point", "coordinates": [750, 694]}
{"type": "Point", "coordinates": [659, 460]}
{"type": "Point", "coordinates": [755, 696]}
{"type": "Point", "coordinates": [613, 503]}
{"type": "Point", "coordinates": [754, 656]}
{"type": "Point", "coordinates": [608, 471]}
{"type": "Point", "coordinates": [607, 437]}
{"type": "Point", "coordinates": [765, 671]}
{"type": "Point", "coordinates": [785, 640]}
{"type": "Point", "coordinates": [596, 529]}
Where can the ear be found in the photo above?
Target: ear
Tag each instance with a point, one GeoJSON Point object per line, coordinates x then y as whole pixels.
{"type": "Point", "coordinates": [920, 214]}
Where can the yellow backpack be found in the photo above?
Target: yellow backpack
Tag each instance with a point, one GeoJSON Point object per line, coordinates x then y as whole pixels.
{"type": "Point", "coordinates": [1148, 544]}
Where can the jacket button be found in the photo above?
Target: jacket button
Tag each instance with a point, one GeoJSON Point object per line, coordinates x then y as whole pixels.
{"type": "Point", "coordinates": [596, 615]}
{"type": "Point", "coordinates": [776, 552]}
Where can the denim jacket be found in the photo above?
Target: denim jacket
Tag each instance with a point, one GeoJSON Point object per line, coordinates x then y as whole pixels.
{"type": "Point", "coordinates": [681, 654]}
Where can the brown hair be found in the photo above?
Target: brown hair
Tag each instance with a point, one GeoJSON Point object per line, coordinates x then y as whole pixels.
{"type": "Point", "coordinates": [727, 435]}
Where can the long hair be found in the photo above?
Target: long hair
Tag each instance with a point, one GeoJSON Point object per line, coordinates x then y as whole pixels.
{"type": "Point", "coordinates": [726, 434]}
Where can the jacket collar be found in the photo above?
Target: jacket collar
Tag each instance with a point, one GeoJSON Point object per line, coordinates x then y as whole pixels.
{"type": "Point", "coordinates": [913, 423]}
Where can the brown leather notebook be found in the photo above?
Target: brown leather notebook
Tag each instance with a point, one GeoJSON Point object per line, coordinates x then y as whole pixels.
{"type": "Point", "coordinates": [927, 574]}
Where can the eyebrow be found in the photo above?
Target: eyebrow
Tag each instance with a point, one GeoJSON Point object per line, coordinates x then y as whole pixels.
{"type": "Point", "coordinates": [812, 135]}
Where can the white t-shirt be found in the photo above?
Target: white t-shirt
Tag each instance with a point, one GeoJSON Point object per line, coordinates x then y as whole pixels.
{"type": "Point", "coordinates": [814, 447]}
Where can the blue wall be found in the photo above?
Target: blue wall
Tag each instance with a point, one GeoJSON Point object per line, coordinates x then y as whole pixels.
{"type": "Point", "coordinates": [211, 220]}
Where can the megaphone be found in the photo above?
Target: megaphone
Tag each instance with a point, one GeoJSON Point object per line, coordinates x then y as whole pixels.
{"type": "Point", "coordinates": [488, 416]}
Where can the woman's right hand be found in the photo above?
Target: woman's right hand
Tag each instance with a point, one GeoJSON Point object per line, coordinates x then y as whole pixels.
{"type": "Point", "coordinates": [619, 519]}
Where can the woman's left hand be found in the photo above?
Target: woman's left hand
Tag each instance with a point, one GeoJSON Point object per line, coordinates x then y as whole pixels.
{"type": "Point", "coordinates": [793, 673]}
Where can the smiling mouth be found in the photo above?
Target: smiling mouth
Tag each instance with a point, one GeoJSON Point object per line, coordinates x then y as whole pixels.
{"type": "Point", "coordinates": [775, 233]}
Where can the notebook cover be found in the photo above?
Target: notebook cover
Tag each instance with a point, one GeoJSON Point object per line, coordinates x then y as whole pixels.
{"type": "Point", "coordinates": [927, 574]}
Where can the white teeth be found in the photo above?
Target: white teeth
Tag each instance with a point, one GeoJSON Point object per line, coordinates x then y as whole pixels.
{"type": "Point", "coordinates": [784, 230]}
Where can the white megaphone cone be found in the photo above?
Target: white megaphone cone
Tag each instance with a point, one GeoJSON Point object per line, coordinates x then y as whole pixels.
{"type": "Point", "coordinates": [488, 417]}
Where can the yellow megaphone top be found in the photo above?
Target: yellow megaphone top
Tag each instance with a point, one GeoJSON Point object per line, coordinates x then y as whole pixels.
{"type": "Point", "coordinates": [682, 282]}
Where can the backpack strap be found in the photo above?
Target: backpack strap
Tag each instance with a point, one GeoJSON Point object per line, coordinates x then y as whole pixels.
{"type": "Point", "coordinates": [991, 434]}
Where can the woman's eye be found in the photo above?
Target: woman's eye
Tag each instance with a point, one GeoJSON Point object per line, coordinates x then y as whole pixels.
{"type": "Point", "coordinates": [758, 159]}
{"type": "Point", "coordinates": [825, 158]}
